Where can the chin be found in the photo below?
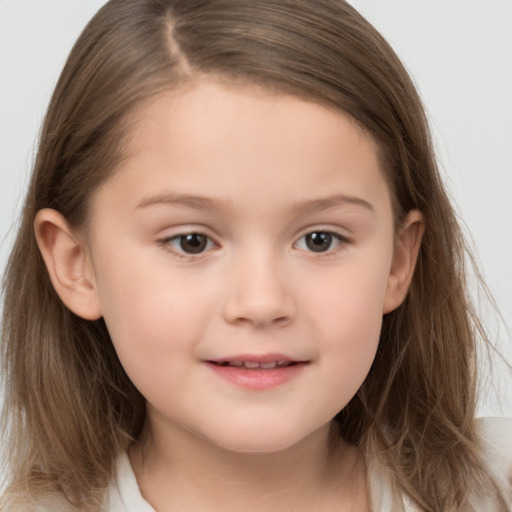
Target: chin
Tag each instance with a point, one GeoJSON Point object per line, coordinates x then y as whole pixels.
{"type": "Point", "coordinates": [261, 446]}
{"type": "Point", "coordinates": [262, 440]}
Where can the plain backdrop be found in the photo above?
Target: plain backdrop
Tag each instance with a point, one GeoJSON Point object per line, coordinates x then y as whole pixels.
{"type": "Point", "coordinates": [459, 53]}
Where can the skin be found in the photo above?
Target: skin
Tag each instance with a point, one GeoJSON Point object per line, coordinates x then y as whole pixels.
{"type": "Point", "coordinates": [268, 171]}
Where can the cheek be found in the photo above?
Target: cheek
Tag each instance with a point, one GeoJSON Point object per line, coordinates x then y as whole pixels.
{"type": "Point", "coordinates": [349, 301]}
{"type": "Point", "coordinates": [352, 345]}
{"type": "Point", "coordinates": [150, 314]}
{"type": "Point", "coordinates": [348, 355]}
{"type": "Point", "coordinates": [348, 318]}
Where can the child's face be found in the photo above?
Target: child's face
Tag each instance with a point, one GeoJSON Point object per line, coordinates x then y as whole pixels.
{"type": "Point", "coordinates": [288, 257]}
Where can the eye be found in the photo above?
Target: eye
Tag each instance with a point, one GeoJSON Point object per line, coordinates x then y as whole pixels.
{"type": "Point", "coordinates": [320, 241]}
{"type": "Point", "coordinates": [189, 243]}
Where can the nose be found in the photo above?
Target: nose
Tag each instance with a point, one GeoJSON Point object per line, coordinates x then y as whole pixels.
{"type": "Point", "coordinates": [259, 293]}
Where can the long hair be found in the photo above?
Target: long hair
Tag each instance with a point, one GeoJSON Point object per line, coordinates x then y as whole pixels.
{"type": "Point", "coordinates": [70, 408]}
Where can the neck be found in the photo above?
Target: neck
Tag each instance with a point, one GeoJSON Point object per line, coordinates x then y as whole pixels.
{"type": "Point", "coordinates": [177, 470]}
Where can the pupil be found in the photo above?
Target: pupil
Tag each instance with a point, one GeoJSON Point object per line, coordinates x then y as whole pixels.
{"type": "Point", "coordinates": [319, 242]}
{"type": "Point", "coordinates": [193, 243]}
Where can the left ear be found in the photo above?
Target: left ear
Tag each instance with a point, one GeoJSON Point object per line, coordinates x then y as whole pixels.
{"type": "Point", "coordinates": [407, 246]}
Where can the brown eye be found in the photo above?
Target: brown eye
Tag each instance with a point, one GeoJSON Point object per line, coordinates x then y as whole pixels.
{"type": "Point", "coordinates": [319, 242]}
{"type": "Point", "coordinates": [193, 243]}
{"type": "Point", "coordinates": [188, 244]}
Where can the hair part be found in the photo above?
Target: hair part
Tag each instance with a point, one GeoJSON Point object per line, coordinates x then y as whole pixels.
{"type": "Point", "coordinates": [70, 408]}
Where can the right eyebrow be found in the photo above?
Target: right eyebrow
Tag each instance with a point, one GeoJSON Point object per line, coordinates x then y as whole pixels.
{"type": "Point", "coordinates": [189, 201]}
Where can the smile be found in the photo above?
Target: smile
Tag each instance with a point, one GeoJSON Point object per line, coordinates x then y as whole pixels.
{"type": "Point", "coordinates": [257, 373]}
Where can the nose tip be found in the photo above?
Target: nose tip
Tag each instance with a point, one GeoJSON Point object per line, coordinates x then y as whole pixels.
{"type": "Point", "coordinates": [259, 311]}
{"type": "Point", "coordinates": [259, 296]}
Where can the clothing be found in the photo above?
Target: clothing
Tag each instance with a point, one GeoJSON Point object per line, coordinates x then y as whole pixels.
{"type": "Point", "coordinates": [124, 495]}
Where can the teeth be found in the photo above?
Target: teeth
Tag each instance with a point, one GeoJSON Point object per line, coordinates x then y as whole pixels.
{"type": "Point", "coordinates": [251, 365]}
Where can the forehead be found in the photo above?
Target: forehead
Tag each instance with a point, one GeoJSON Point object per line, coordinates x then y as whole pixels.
{"type": "Point", "coordinates": [217, 138]}
{"type": "Point", "coordinates": [202, 97]}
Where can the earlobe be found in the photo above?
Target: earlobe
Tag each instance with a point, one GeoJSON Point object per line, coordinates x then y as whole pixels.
{"type": "Point", "coordinates": [68, 264]}
{"type": "Point", "coordinates": [407, 246]}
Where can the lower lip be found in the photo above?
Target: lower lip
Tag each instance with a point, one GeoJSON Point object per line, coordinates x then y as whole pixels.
{"type": "Point", "coordinates": [257, 378]}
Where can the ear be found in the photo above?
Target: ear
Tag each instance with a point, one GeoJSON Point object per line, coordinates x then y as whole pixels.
{"type": "Point", "coordinates": [68, 263]}
{"type": "Point", "coordinates": [407, 246]}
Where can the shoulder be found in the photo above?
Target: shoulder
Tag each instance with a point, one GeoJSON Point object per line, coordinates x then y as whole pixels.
{"type": "Point", "coordinates": [49, 503]}
{"type": "Point", "coordinates": [495, 431]}
{"type": "Point", "coordinates": [495, 440]}
{"type": "Point", "coordinates": [122, 496]}
{"type": "Point", "coordinates": [496, 444]}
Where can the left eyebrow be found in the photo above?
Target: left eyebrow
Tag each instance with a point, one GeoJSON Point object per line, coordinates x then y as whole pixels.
{"type": "Point", "coordinates": [321, 204]}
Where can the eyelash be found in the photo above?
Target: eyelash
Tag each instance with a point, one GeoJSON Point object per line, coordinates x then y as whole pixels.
{"type": "Point", "coordinates": [205, 243]}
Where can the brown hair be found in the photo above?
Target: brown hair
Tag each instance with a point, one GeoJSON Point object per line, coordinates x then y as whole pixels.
{"type": "Point", "coordinates": [70, 408]}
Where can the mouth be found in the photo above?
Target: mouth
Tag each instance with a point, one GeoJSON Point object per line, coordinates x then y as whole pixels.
{"type": "Point", "coordinates": [254, 365]}
{"type": "Point", "coordinates": [257, 372]}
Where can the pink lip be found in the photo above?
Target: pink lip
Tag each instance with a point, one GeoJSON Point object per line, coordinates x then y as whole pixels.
{"type": "Point", "coordinates": [257, 378]}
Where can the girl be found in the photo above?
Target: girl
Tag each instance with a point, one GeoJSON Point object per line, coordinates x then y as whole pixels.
{"type": "Point", "coordinates": [238, 283]}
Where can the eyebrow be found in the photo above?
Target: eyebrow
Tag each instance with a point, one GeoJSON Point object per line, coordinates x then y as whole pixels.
{"type": "Point", "coordinates": [194, 202]}
{"type": "Point", "coordinates": [317, 205]}
{"type": "Point", "coordinates": [207, 203]}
